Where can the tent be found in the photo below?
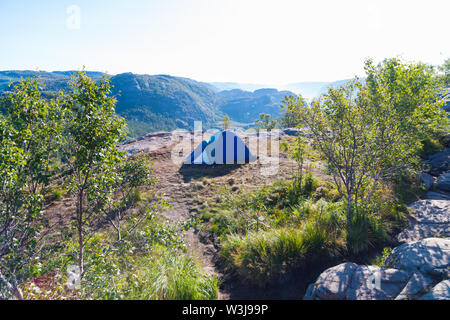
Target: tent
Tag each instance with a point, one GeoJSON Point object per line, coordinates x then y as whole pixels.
{"type": "Point", "coordinates": [224, 147]}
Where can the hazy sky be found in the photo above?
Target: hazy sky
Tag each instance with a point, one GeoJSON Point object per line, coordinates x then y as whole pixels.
{"type": "Point", "coordinates": [258, 41]}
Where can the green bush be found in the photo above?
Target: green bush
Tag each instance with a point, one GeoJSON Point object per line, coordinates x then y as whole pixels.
{"type": "Point", "coordinates": [380, 259]}
{"type": "Point", "coordinates": [225, 222]}
{"type": "Point", "coordinates": [171, 277]}
{"type": "Point", "coordinates": [366, 231]}
{"type": "Point", "coordinates": [407, 187]}
{"type": "Point", "coordinates": [57, 194]}
{"type": "Point", "coordinates": [430, 145]}
{"type": "Point", "coordinates": [260, 257]}
{"type": "Point", "coordinates": [310, 183]}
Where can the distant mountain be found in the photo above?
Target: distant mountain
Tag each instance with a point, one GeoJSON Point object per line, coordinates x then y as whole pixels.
{"type": "Point", "coordinates": [54, 81]}
{"type": "Point", "coordinates": [221, 86]}
{"type": "Point", "coordinates": [245, 106]}
{"type": "Point", "coordinates": [162, 102]}
{"type": "Point", "coordinates": [308, 90]}
{"type": "Point", "coordinates": [149, 103]}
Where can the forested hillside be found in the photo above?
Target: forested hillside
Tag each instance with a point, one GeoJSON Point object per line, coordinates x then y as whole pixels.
{"type": "Point", "coordinates": [163, 102]}
{"type": "Point", "coordinates": [245, 106]}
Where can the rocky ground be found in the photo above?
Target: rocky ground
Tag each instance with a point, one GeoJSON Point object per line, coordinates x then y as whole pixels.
{"type": "Point", "coordinates": [417, 269]}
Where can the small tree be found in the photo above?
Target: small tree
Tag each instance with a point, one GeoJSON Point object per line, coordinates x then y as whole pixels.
{"type": "Point", "coordinates": [133, 174]}
{"type": "Point", "coordinates": [290, 105]}
{"type": "Point", "coordinates": [30, 132]}
{"type": "Point", "coordinates": [369, 132]}
{"type": "Point", "coordinates": [226, 122]}
{"type": "Point", "coordinates": [265, 122]}
{"type": "Point", "coordinates": [445, 69]}
{"type": "Point", "coordinates": [92, 133]}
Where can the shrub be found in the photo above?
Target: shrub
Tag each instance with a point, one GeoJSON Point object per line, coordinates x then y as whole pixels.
{"type": "Point", "coordinates": [123, 272]}
{"type": "Point", "coordinates": [310, 183]}
{"type": "Point", "coordinates": [171, 277]}
{"type": "Point", "coordinates": [430, 145]}
{"type": "Point", "coordinates": [260, 257]}
{"type": "Point", "coordinates": [406, 187]}
{"type": "Point", "coordinates": [57, 194]}
{"type": "Point", "coordinates": [380, 259]}
{"type": "Point", "coordinates": [366, 231]}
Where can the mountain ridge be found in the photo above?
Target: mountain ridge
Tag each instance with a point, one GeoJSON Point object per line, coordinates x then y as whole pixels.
{"type": "Point", "coordinates": [165, 102]}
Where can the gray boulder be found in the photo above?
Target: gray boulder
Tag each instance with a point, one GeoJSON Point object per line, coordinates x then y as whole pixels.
{"type": "Point", "coordinates": [432, 195]}
{"type": "Point", "coordinates": [439, 162]}
{"type": "Point", "coordinates": [409, 272]}
{"type": "Point", "coordinates": [349, 281]}
{"type": "Point", "coordinates": [426, 180]}
{"type": "Point", "coordinates": [332, 284]}
{"type": "Point", "coordinates": [417, 285]}
{"type": "Point", "coordinates": [375, 283]}
{"type": "Point", "coordinates": [431, 219]}
{"type": "Point", "coordinates": [443, 182]}
{"type": "Point", "coordinates": [429, 256]}
{"type": "Point", "coordinates": [440, 292]}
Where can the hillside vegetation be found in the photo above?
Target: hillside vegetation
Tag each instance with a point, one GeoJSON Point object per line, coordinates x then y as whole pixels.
{"type": "Point", "coordinates": [110, 241]}
{"type": "Point", "coordinates": [162, 102]}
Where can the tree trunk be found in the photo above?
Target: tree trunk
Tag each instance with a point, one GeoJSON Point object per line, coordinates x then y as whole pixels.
{"type": "Point", "coordinates": [349, 214]}
{"type": "Point", "coordinates": [80, 232]}
{"type": "Point", "coordinates": [119, 236]}
{"type": "Point", "coordinates": [349, 209]}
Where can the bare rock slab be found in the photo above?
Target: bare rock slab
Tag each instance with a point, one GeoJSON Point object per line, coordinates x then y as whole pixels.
{"type": "Point", "coordinates": [427, 256]}
{"type": "Point", "coordinates": [440, 292]}
{"type": "Point", "coordinates": [332, 284]}
{"type": "Point", "coordinates": [417, 285]}
{"type": "Point", "coordinates": [420, 231]}
{"type": "Point", "coordinates": [375, 283]}
{"type": "Point", "coordinates": [431, 211]}
{"type": "Point", "coordinates": [431, 219]}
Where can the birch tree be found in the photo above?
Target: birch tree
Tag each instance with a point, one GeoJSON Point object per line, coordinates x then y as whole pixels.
{"type": "Point", "coordinates": [92, 132]}
{"type": "Point", "coordinates": [368, 132]}
{"type": "Point", "coordinates": [30, 132]}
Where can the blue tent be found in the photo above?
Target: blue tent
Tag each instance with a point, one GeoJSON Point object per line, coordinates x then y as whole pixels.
{"type": "Point", "coordinates": [222, 148]}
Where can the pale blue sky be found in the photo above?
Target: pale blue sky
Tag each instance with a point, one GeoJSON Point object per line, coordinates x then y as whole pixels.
{"type": "Point", "coordinates": [259, 41]}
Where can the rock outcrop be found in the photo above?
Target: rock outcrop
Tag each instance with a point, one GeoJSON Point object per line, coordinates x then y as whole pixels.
{"type": "Point", "coordinates": [431, 218]}
{"type": "Point", "coordinates": [427, 180]}
{"type": "Point", "coordinates": [412, 271]}
{"type": "Point", "coordinates": [417, 269]}
{"type": "Point", "coordinates": [439, 162]}
{"type": "Point", "coordinates": [440, 292]}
